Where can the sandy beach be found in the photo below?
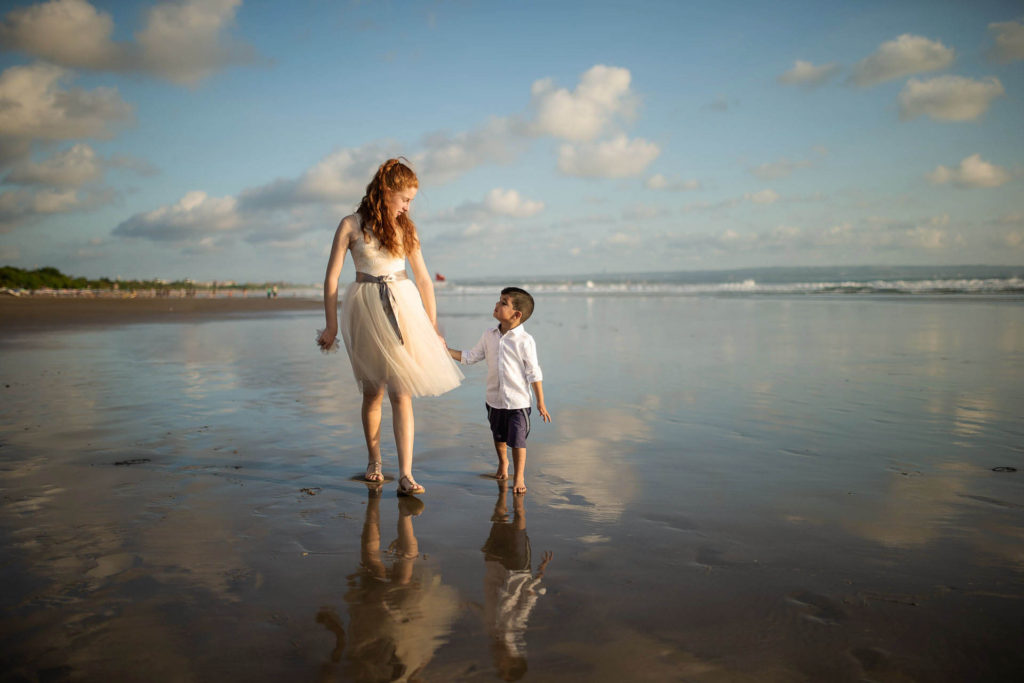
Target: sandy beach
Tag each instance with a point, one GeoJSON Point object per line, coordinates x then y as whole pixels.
{"type": "Point", "coordinates": [733, 489]}
{"type": "Point", "coordinates": [33, 312]}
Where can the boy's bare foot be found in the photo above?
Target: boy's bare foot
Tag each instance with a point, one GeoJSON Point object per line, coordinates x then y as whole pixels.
{"type": "Point", "coordinates": [519, 488]}
{"type": "Point", "coordinates": [502, 473]}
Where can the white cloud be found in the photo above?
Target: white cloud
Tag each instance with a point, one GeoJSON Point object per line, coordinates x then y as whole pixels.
{"type": "Point", "coordinates": [509, 203]}
{"type": "Point", "coordinates": [779, 169]}
{"type": "Point", "coordinates": [948, 98]}
{"type": "Point", "coordinates": [808, 75]}
{"type": "Point", "coordinates": [926, 238]}
{"type": "Point", "coordinates": [182, 40]}
{"type": "Point", "coordinates": [54, 201]}
{"type": "Point", "coordinates": [140, 166]}
{"type": "Point", "coordinates": [72, 168]}
{"type": "Point", "coordinates": [23, 206]}
{"type": "Point", "coordinates": [65, 32]}
{"type": "Point", "coordinates": [602, 96]}
{"type": "Point", "coordinates": [1013, 219]}
{"type": "Point", "coordinates": [196, 216]}
{"type": "Point", "coordinates": [908, 54]}
{"type": "Point", "coordinates": [721, 103]}
{"type": "Point", "coordinates": [622, 239]}
{"type": "Point", "coordinates": [446, 156]}
{"type": "Point", "coordinates": [660, 182]}
{"type": "Point", "coordinates": [762, 197]}
{"type": "Point", "coordinates": [38, 109]}
{"type": "Point", "coordinates": [497, 202]}
{"type": "Point", "coordinates": [339, 178]}
{"type": "Point", "coordinates": [1009, 37]}
{"type": "Point", "coordinates": [972, 172]}
{"type": "Point", "coordinates": [644, 212]}
{"type": "Point", "coordinates": [875, 235]}
{"type": "Point", "coordinates": [618, 157]}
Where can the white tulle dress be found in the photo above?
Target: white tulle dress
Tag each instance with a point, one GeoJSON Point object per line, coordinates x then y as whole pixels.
{"type": "Point", "coordinates": [419, 363]}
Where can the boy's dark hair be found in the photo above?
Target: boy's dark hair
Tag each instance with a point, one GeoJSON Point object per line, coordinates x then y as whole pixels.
{"type": "Point", "coordinates": [521, 301]}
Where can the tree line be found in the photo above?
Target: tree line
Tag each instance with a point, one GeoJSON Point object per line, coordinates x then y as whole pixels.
{"type": "Point", "coordinates": [51, 278]}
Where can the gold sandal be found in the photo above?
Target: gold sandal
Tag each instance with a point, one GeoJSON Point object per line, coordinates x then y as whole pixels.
{"type": "Point", "coordinates": [373, 473]}
{"type": "Point", "coordinates": [412, 489]}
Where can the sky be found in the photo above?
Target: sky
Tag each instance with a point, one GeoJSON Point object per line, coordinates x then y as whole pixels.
{"type": "Point", "coordinates": [226, 139]}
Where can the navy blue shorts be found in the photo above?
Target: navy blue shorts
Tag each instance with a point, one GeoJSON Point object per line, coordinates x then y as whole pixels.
{"type": "Point", "coordinates": [510, 425]}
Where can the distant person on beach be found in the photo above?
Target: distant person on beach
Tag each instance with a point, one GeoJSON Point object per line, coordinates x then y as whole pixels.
{"type": "Point", "coordinates": [510, 589]}
{"type": "Point", "coordinates": [389, 325]}
{"type": "Point", "coordinates": [512, 369]}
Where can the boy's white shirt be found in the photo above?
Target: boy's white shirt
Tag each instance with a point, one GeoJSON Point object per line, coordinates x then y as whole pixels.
{"type": "Point", "coordinates": [511, 366]}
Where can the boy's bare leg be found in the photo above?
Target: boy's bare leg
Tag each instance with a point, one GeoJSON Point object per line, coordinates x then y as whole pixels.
{"type": "Point", "coordinates": [502, 450]}
{"type": "Point", "coordinates": [501, 506]}
{"type": "Point", "coordinates": [519, 513]}
{"type": "Point", "coordinates": [519, 465]}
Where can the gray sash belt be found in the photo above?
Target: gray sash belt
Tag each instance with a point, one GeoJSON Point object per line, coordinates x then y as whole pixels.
{"type": "Point", "coordinates": [386, 297]}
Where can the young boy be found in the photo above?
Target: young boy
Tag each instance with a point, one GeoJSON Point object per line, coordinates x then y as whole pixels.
{"type": "Point", "coordinates": [512, 368]}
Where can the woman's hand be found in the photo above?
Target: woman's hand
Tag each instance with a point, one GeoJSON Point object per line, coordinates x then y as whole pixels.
{"type": "Point", "coordinates": [327, 339]}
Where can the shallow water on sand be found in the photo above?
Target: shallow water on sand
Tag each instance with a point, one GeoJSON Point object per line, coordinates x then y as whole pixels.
{"type": "Point", "coordinates": [733, 488]}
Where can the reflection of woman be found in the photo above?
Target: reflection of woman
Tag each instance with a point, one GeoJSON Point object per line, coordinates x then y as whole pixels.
{"type": "Point", "coordinates": [510, 590]}
{"type": "Point", "coordinates": [398, 615]}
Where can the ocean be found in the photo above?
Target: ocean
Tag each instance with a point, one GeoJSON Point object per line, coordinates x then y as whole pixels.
{"type": "Point", "coordinates": [918, 280]}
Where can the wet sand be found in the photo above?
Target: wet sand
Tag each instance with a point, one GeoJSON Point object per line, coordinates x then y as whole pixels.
{"type": "Point", "coordinates": [34, 312]}
{"type": "Point", "coordinates": [733, 489]}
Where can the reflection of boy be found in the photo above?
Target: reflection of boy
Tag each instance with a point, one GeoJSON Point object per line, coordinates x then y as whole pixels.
{"type": "Point", "coordinates": [511, 591]}
{"type": "Point", "coordinates": [512, 370]}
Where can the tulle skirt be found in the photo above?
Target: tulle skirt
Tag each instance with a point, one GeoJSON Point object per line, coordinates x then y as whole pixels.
{"type": "Point", "coordinates": [419, 365]}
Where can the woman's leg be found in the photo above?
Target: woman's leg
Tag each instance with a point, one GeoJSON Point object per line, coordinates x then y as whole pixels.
{"type": "Point", "coordinates": [405, 431]}
{"type": "Point", "coordinates": [372, 400]}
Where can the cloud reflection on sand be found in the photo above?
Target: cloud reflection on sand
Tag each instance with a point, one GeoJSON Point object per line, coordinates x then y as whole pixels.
{"type": "Point", "coordinates": [590, 468]}
{"type": "Point", "coordinates": [973, 413]}
{"type": "Point", "coordinates": [914, 507]}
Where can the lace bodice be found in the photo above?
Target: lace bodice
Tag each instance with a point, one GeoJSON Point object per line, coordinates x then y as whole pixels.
{"type": "Point", "coordinates": [371, 259]}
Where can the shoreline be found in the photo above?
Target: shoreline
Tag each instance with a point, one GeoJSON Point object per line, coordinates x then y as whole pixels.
{"type": "Point", "coordinates": [40, 312]}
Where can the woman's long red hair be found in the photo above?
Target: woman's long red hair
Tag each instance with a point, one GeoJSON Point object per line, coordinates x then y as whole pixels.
{"type": "Point", "coordinates": [397, 237]}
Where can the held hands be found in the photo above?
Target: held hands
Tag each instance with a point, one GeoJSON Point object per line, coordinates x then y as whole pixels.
{"type": "Point", "coordinates": [327, 340]}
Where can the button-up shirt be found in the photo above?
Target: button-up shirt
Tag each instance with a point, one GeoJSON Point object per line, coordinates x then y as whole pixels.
{"type": "Point", "coordinates": [511, 366]}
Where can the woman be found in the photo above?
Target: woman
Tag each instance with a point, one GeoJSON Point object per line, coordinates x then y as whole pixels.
{"type": "Point", "coordinates": [389, 325]}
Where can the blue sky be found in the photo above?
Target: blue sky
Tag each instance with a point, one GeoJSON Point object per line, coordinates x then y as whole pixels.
{"type": "Point", "coordinates": [225, 139]}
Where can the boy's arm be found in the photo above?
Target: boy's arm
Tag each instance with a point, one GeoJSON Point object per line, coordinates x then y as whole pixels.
{"type": "Point", "coordinates": [534, 375]}
{"type": "Point", "coordinates": [473, 355]}
{"type": "Point", "coordinates": [538, 391]}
